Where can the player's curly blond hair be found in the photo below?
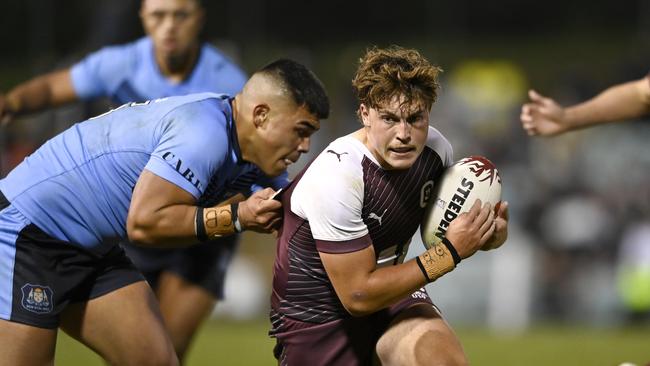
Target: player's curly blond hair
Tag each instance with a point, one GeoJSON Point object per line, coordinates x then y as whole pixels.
{"type": "Point", "coordinates": [385, 73]}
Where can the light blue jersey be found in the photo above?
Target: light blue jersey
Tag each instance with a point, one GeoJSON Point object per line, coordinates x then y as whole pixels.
{"type": "Point", "coordinates": [77, 187]}
{"type": "Point", "coordinates": [129, 73]}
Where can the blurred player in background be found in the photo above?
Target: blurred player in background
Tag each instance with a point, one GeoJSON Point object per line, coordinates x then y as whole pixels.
{"type": "Point", "coordinates": [543, 116]}
{"type": "Point", "coordinates": [158, 172]}
{"type": "Point", "coordinates": [170, 60]}
{"type": "Point", "coordinates": [342, 293]}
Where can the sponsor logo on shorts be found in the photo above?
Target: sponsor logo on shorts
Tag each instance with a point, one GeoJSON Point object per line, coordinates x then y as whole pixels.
{"type": "Point", "coordinates": [420, 294]}
{"type": "Point", "coordinates": [37, 298]}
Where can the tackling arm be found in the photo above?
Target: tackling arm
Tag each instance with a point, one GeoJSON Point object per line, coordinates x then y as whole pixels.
{"type": "Point", "coordinates": [164, 215]}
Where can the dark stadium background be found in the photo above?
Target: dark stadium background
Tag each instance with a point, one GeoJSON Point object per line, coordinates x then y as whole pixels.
{"type": "Point", "coordinates": [562, 296]}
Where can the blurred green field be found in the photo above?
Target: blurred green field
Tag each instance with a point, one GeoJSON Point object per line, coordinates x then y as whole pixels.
{"type": "Point", "coordinates": [246, 343]}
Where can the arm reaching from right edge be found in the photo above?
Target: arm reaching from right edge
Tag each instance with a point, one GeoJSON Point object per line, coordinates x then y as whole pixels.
{"type": "Point", "coordinates": [42, 92]}
{"type": "Point", "coordinates": [545, 117]}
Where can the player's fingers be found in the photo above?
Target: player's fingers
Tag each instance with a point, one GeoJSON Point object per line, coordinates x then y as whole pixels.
{"type": "Point", "coordinates": [535, 96]}
{"type": "Point", "coordinates": [483, 215]}
{"type": "Point", "coordinates": [487, 235]}
{"type": "Point", "coordinates": [474, 211]}
{"type": "Point", "coordinates": [532, 131]}
{"type": "Point", "coordinates": [274, 224]}
{"type": "Point", "coordinates": [503, 210]}
{"type": "Point", "coordinates": [265, 193]}
{"type": "Point", "coordinates": [489, 220]}
{"type": "Point", "coordinates": [270, 205]}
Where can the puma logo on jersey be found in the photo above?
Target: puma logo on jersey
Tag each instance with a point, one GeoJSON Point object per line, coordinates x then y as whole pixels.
{"type": "Point", "coordinates": [337, 154]}
{"type": "Point", "coordinates": [377, 217]}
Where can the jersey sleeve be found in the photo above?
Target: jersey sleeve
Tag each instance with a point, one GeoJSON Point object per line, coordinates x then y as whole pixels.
{"type": "Point", "coordinates": [439, 143]}
{"type": "Point", "coordinates": [94, 76]}
{"type": "Point", "coordinates": [192, 147]}
{"type": "Point", "coordinates": [330, 197]}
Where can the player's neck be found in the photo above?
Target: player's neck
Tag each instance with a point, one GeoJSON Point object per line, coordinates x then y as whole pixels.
{"type": "Point", "coordinates": [177, 68]}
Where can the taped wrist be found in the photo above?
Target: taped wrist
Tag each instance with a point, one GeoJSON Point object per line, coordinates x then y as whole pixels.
{"type": "Point", "coordinates": [436, 261]}
{"type": "Point", "coordinates": [235, 218]}
{"type": "Point", "coordinates": [215, 222]}
{"type": "Point", "coordinates": [452, 250]}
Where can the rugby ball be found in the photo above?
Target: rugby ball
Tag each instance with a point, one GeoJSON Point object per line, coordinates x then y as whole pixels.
{"type": "Point", "coordinates": [471, 178]}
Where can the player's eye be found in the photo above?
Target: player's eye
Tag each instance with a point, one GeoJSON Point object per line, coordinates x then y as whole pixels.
{"type": "Point", "coordinates": [157, 15]}
{"type": "Point", "coordinates": [417, 120]}
{"type": "Point", "coordinates": [389, 119]}
{"type": "Point", "coordinates": [180, 16]}
{"type": "Point", "coordinates": [303, 132]}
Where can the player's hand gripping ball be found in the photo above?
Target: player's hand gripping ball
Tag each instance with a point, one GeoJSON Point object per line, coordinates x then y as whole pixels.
{"type": "Point", "coordinates": [468, 179]}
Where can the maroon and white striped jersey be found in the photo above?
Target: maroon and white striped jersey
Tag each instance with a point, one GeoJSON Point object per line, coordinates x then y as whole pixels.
{"type": "Point", "coordinates": [343, 202]}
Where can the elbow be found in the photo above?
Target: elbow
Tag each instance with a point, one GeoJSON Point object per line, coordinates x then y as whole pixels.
{"type": "Point", "coordinates": [357, 304]}
{"type": "Point", "coordinates": [139, 237]}
{"type": "Point", "coordinates": [138, 232]}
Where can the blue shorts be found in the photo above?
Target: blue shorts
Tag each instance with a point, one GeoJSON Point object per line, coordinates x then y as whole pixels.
{"type": "Point", "coordinates": [41, 275]}
{"type": "Point", "coordinates": [203, 264]}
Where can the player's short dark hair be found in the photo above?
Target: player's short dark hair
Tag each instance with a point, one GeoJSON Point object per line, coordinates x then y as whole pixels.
{"type": "Point", "coordinates": [303, 85]}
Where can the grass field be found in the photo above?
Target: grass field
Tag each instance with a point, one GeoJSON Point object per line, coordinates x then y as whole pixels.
{"type": "Point", "coordinates": [246, 343]}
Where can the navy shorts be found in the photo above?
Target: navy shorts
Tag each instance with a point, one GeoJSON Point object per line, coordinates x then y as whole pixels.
{"type": "Point", "coordinates": [41, 275]}
{"type": "Point", "coordinates": [203, 264]}
{"type": "Point", "coordinates": [350, 341]}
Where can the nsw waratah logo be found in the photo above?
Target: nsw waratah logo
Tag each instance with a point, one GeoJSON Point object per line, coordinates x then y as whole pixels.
{"type": "Point", "coordinates": [37, 298]}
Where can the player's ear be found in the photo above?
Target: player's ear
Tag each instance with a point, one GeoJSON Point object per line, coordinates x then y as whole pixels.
{"type": "Point", "coordinates": [364, 113]}
{"type": "Point", "coordinates": [260, 114]}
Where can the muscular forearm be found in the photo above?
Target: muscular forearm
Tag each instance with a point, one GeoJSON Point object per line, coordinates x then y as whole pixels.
{"type": "Point", "coordinates": [170, 226]}
{"type": "Point", "coordinates": [182, 225]}
{"type": "Point", "coordinates": [384, 287]}
{"type": "Point", "coordinates": [621, 102]}
{"type": "Point", "coordinates": [364, 291]}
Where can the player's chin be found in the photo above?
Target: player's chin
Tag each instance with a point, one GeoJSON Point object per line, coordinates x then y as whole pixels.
{"type": "Point", "coordinates": [402, 161]}
{"type": "Point", "coordinates": [278, 167]}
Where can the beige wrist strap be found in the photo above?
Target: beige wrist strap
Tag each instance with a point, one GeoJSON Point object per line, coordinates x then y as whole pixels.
{"type": "Point", "coordinates": [215, 222]}
{"type": "Point", "coordinates": [435, 262]}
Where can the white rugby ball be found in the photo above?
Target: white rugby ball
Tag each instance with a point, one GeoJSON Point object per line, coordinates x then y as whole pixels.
{"type": "Point", "coordinates": [471, 178]}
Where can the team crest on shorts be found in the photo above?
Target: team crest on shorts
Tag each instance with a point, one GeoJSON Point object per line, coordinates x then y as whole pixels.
{"type": "Point", "coordinates": [37, 298]}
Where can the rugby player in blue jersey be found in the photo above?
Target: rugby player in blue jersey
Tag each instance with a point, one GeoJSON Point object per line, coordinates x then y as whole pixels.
{"type": "Point", "coordinates": [169, 61]}
{"type": "Point", "coordinates": [157, 172]}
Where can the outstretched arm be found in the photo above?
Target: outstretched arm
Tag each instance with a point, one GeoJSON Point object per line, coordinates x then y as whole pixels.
{"type": "Point", "coordinates": [42, 92]}
{"type": "Point", "coordinates": [545, 117]}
